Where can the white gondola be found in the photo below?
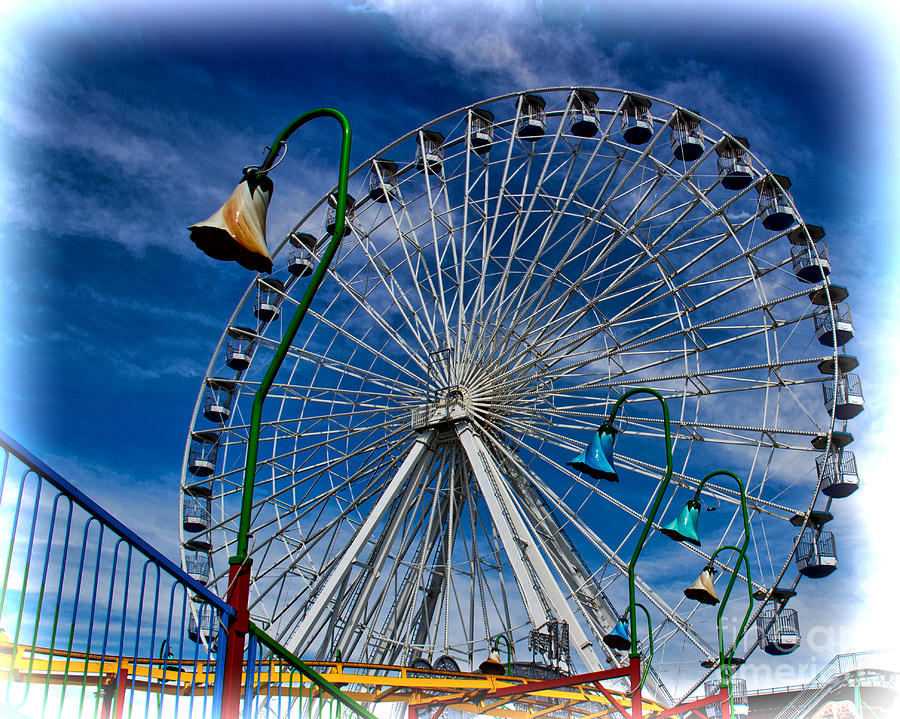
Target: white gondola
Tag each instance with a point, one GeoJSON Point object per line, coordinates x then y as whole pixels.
{"type": "Point", "coordinates": [269, 293]}
{"type": "Point", "coordinates": [778, 631]}
{"type": "Point", "coordinates": [240, 347]}
{"type": "Point", "coordinates": [810, 262]}
{"type": "Point", "coordinates": [637, 122]}
{"type": "Point", "coordinates": [331, 214]}
{"type": "Point", "coordinates": [583, 120]}
{"type": "Point", "coordinates": [775, 204]}
{"type": "Point", "coordinates": [203, 626]}
{"type": "Point", "coordinates": [481, 130]}
{"type": "Point", "coordinates": [685, 136]}
{"type": "Point", "coordinates": [203, 453]}
{"type": "Point", "coordinates": [532, 121]}
{"type": "Point", "coordinates": [217, 399]}
{"type": "Point", "coordinates": [197, 567]}
{"type": "Point", "coordinates": [846, 396]}
{"type": "Point", "coordinates": [838, 332]}
{"type": "Point", "coordinates": [738, 697]}
{"type": "Point", "coordinates": [838, 473]}
{"type": "Point", "coordinates": [735, 171]}
{"type": "Point", "coordinates": [196, 512]}
{"type": "Point", "coordinates": [430, 152]}
{"type": "Point", "coordinates": [301, 261]}
{"type": "Point", "coordinates": [382, 180]}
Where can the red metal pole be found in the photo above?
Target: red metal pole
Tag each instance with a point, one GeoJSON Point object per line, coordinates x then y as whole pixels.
{"type": "Point", "coordinates": [121, 683]}
{"type": "Point", "coordinates": [238, 596]}
{"type": "Point", "coordinates": [634, 675]}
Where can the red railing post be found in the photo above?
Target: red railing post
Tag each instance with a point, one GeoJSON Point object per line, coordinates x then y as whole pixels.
{"type": "Point", "coordinates": [634, 675]}
{"type": "Point", "coordinates": [121, 684]}
{"type": "Point", "coordinates": [238, 596]}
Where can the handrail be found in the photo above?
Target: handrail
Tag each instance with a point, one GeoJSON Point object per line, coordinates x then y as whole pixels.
{"type": "Point", "coordinates": [104, 517]}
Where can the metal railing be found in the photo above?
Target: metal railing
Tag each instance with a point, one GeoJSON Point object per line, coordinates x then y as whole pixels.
{"type": "Point", "coordinates": [95, 622]}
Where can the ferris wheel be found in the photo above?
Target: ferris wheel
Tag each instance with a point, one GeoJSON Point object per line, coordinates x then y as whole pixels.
{"type": "Point", "coordinates": [509, 270]}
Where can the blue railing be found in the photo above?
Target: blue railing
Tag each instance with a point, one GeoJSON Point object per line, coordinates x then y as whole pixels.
{"type": "Point", "coordinates": [95, 622]}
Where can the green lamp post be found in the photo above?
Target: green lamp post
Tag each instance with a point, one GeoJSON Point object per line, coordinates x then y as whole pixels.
{"type": "Point", "coordinates": [236, 231]}
{"type": "Point", "coordinates": [685, 528]}
{"type": "Point", "coordinates": [597, 461]}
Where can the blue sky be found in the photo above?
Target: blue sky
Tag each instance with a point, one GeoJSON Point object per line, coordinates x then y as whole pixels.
{"type": "Point", "coordinates": [123, 123]}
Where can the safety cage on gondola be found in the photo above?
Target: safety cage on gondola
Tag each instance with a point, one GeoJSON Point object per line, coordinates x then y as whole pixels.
{"type": "Point", "coordinates": [778, 630]}
{"type": "Point", "coordinates": [203, 626]}
{"type": "Point", "coordinates": [739, 700]}
{"type": "Point", "coordinates": [331, 214]}
{"type": "Point", "coordinates": [203, 453]}
{"type": "Point", "coordinates": [810, 262]}
{"type": "Point", "coordinates": [532, 120]}
{"type": "Point", "coordinates": [240, 347]}
{"type": "Point", "coordinates": [301, 261]}
{"type": "Point", "coordinates": [481, 130]}
{"type": "Point", "coordinates": [217, 399]}
{"type": "Point", "coordinates": [382, 180]}
{"type": "Point", "coordinates": [637, 122]}
{"type": "Point", "coordinates": [844, 396]}
{"type": "Point", "coordinates": [583, 119]}
{"type": "Point", "coordinates": [195, 512]}
{"type": "Point", "coordinates": [686, 137]}
{"type": "Point", "coordinates": [775, 205]}
{"type": "Point", "coordinates": [816, 555]}
{"type": "Point", "coordinates": [269, 294]}
{"type": "Point", "coordinates": [735, 171]}
{"type": "Point", "coordinates": [838, 332]}
{"type": "Point", "coordinates": [838, 473]}
{"type": "Point", "coordinates": [430, 152]}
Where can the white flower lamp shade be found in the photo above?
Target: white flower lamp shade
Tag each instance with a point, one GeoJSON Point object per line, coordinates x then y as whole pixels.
{"type": "Point", "coordinates": [237, 230]}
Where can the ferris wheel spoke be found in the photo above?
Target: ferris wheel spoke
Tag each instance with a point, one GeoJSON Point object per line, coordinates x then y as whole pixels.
{"type": "Point", "coordinates": [330, 362]}
{"type": "Point", "coordinates": [440, 303]}
{"type": "Point", "coordinates": [721, 493]}
{"type": "Point", "coordinates": [732, 374]}
{"type": "Point", "coordinates": [388, 282]}
{"type": "Point", "coordinates": [406, 231]}
{"type": "Point", "coordinates": [520, 221]}
{"type": "Point", "coordinates": [347, 333]}
{"type": "Point", "coordinates": [410, 467]}
{"type": "Point", "coordinates": [632, 344]}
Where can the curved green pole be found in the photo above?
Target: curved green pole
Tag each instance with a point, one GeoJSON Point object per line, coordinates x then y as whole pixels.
{"type": "Point", "coordinates": [743, 549]}
{"type": "Point", "coordinates": [656, 502]}
{"type": "Point", "coordinates": [650, 635]}
{"type": "Point", "coordinates": [508, 651]}
{"type": "Point", "coordinates": [725, 666]}
{"type": "Point", "coordinates": [240, 556]}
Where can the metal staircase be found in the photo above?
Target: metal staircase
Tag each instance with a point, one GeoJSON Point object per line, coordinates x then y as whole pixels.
{"type": "Point", "coordinates": [824, 683]}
